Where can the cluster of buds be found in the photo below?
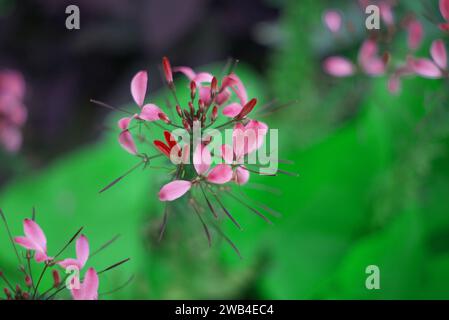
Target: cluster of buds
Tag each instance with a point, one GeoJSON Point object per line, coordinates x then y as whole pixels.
{"type": "Point", "coordinates": [13, 113]}
{"type": "Point", "coordinates": [34, 242]}
{"type": "Point", "coordinates": [371, 63]}
{"type": "Point", "coordinates": [202, 164]}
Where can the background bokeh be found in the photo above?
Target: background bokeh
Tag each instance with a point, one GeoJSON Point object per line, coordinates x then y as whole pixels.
{"type": "Point", "coordinates": [373, 167]}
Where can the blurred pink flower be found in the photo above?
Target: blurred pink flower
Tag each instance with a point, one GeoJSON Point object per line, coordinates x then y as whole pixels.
{"type": "Point", "coordinates": [432, 68]}
{"type": "Point", "coordinates": [13, 113]}
{"type": "Point", "coordinates": [444, 9]}
{"type": "Point", "coordinates": [415, 34]}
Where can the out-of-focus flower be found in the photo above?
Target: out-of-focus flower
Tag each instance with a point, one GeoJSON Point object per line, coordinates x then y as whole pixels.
{"type": "Point", "coordinates": [13, 113]}
{"type": "Point", "coordinates": [415, 34]}
{"type": "Point", "coordinates": [368, 60]}
{"type": "Point", "coordinates": [332, 20]}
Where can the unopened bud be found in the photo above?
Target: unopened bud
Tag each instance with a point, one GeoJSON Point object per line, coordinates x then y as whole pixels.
{"type": "Point", "coordinates": [164, 118]}
{"type": "Point", "coordinates": [214, 114]}
{"type": "Point", "coordinates": [179, 111]}
{"type": "Point", "coordinates": [213, 88]}
{"type": "Point", "coordinates": [28, 281]}
{"type": "Point", "coordinates": [167, 70]}
{"type": "Point", "coordinates": [25, 295]}
{"type": "Point", "coordinates": [247, 109]}
{"type": "Point", "coordinates": [192, 109]}
{"type": "Point", "coordinates": [7, 293]}
{"type": "Point", "coordinates": [56, 278]}
{"type": "Point", "coordinates": [186, 124]}
{"type": "Point", "coordinates": [192, 90]}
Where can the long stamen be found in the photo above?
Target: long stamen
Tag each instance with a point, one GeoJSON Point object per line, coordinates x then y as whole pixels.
{"type": "Point", "coordinates": [249, 207]}
{"type": "Point", "coordinates": [110, 185]}
{"type": "Point", "coordinates": [206, 229]}
{"type": "Point", "coordinates": [2, 275]}
{"type": "Point", "coordinates": [115, 265]}
{"type": "Point", "coordinates": [102, 104]}
{"type": "Point", "coordinates": [208, 203]}
{"type": "Point", "coordinates": [225, 210]}
{"type": "Point", "coordinates": [104, 246]}
{"type": "Point", "coordinates": [119, 287]}
{"type": "Point", "coordinates": [163, 224]}
{"type": "Point", "coordinates": [221, 233]}
{"type": "Point", "coordinates": [68, 243]}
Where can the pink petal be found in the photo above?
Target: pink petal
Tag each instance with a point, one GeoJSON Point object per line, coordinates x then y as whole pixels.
{"type": "Point", "coordinates": [338, 67]}
{"type": "Point", "coordinates": [127, 142]}
{"type": "Point", "coordinates": [439, 55]}
{"type": "Point", "coordinates": [386, 13]}
{"type": "Point", "coordinates": [332, 19]}
{"type": "Point", "coordinates": [11, 138]}
{"type": "Point", "coordinates": [40, 256]}
{"type": "Point", "coordinates": [221, 174]}
{"type": "Point", "coordinates": [139, 87]}
{"type": "Point", "coordinates": [374, 67]}
{"type": "Point", "coordinates": [201, 159]}
{"type": "Point", "coordinates": [89, 288]}
{"type": "Point", "coordinates": [240, 90]}
{"type": "Point", "coordinates": [394, 84]}
{"type": "Point", "coordinates": [241, 176]}
{"type": "Point", "coordinates": [203, 77]}
{"type": "Point", "coordinates": [444, 9]}
{"type": "Point", "coordinates": [188, 72]}
{"type": "Point", "coordinates": [123, 123]}
{"type": "Point", "coordinates": [26, 243]}
{"type": "Point", "coordinates": [415, 34]}
{"type": "Point", "coordinates": [150, 112]}
{"type": "Point", "coordinates": [227, 153]}
{"type": "Point", "coordinates": [82, 250]}
{"type": "Point", "coordinates": [232, 110]}
{"type": "Point", "coordinates": [35, 234]}
{"type": "Point", "coordinates": [174, 190]}
{"type": "Point", "coordinates": [222, 97]}
{"type": "Point", "coordinates": [367, 51]}
{"type": "Point", "coordinates": [426, 68]}
{"type": "Point", "coordinates": [12, 83]}
{"type": "Point", "coordinates": [205, 95]}
{"type": "Point", "coordinates": [444, 27]}
{"type": "Point", "coordinates": [66, 263]}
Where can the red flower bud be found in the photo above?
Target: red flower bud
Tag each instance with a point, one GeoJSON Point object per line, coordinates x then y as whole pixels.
{"type": "Point", "coordinates": [186, 124]}
{"type": "Point", "coordinates": [247, 109]}
{"type": "Point", "coordinates": [179, 111]}
{"type": "Point", "coordinates": [192, 90]}
{"type": "Point", "coordinates": [164, 118]}
{"type": "Point", "coordinates": [167, 70]}
{"type": "Point", "coordinates": [56, 278]}
{"type": "Point", "coordinates": [28, 281]}
{"type": "Point", "coordinates": [214, 114]}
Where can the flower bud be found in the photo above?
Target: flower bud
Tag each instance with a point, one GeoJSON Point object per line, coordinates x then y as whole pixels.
{"type": "Point", "coordinates": [247, 109]}
{"type": "Point", "coordinates": [214, 114]}
{"type": "Point", "coordinates": [56, 278]}
{"type": "Point", "coordinates": [164, 118]}
{"type": "Point", "coordinates": [179, 111]}
{"type": "Point", "coordinates": [192, 90]}
{"type": "Point", "coordinates": [28, 281]}
{"type": "Point", "coordinates": [167, 70]}
{"type": "Point", "coordinates": [186, 124]}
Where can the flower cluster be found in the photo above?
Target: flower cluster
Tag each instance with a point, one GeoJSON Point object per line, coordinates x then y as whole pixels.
{"type": "Point", "coordinates": [192, 137]}
{"type": "Point", "coordinates": [370, 62]}
{"type": "Point", "coordinates": [13, 113]}
{"type": "Point", "coordinates": [34, 242]}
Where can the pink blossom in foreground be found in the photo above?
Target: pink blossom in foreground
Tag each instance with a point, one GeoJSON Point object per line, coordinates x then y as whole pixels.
{"type": "Point", "coordinates": [415, 34]}
{"type": "Point", "coordinates": [332, 20]}
{"type": "Point", "coordinates": [88, 289]}
{"type": "Point", "coordinates": [13, 113]}
{"type": "Point", "coordinates": [34, 239]}
{"type": "Point", "coordinates": [82, 254]}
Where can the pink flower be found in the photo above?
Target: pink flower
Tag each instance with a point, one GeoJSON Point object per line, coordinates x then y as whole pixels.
{"type": "Point", "coordinates": [13, 114]}
{"type": "Point", "coordinates": [220, 174]}
{"type": "Point", "coordinates": [332, 20]}
{"type": "Point", "coordinates": [82, 254]}
{"type": "Point", "coordinates": [88, 289]}
{"type": "Point", "coordinates": [125, 137]}
{"type": "Point", "coordinates": [370, 62]}
{"type": "Point", "coordinates": [34, 239]}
